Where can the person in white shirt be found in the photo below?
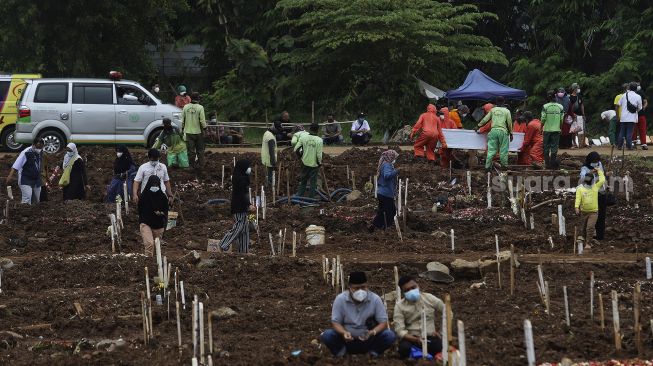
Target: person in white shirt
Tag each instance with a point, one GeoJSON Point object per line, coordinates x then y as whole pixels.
{"type": "Point", "coordinates": [28, 167]}
{"type": "Point", "coordinates": [152, 167]}
{"type": "Point", "coordinates": [360, 131]}
{"type": "Point", "coordinates": [629, 116]}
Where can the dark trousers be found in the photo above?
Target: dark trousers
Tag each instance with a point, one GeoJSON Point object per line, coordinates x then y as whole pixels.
{"type": "Point", "coordinates": [434, 347]}
{"type": "Point", "coordinates": [308, 176]}
{"type": "Point", "coordinates": [385, 214]}
{"type": "Point", "coordinates": [195, 147]}
{"type": "Point", "coordinates": [550, 144]}
{"type": "Point", "coordinates": [332, 140]}
{"type": "Point", "coordinates": [375, 345]}
{"type": "Point", "coordinates": [360, 140]}
{"type": "Point", "coordinates": [600, 222]}
{"type": "Point", "coordinates": [626, 132]}
{"type": "Point", "coordinates": [270, 170]}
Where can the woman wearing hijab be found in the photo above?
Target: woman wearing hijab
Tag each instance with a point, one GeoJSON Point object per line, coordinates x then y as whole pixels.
{"type": "Point", "coordinates": [124, 169]}
{"type": "Point", "coordinates": [593, 161]}
{"type": "Point", "coordinates": [386, 188]}
{"type": "Point", "coordinates": [73, 179]}
{"type": "Point", "coordinates": [152, 213]}
{"type": "Point", "coordinates": [240, 205]}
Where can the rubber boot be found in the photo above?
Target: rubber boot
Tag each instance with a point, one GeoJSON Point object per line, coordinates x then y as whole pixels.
{"type": "Point", "coordinates": [547, 162]}
{"type": "Point", "coordinates": [554, 161]}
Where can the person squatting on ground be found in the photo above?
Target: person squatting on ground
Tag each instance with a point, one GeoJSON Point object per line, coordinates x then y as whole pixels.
{"type": "Point", "coordinates": [631, 104]}
{"type": "Point", "coordinates": [407, 318]}
{"type": "Point", "coordinates": [359, 320]}
{"type": "Point", "coordinates": [193, 125]}
{"type": "Point", "coordinates": [311, 147]}
{"type": "Point", "coordinates": [531, 152]}
{"type": "Point", "coordinates": [172, 142]}
{"type": "Point", "coordinates": [593, 161]}
{"type": "Point", "coordinates": [360, 131]}
{"type": "Point", "coordinates": [587, 205]}
{"type": "Point", "coordinates": [73, 179]}
{"type": "Point", "coordinates": [240, 206]}
{"type": "Point", "coordinates": [551, 117]}
{"type": "Point", "coordinates": [269, 152]}
{"type": "Point", "coordinates": [500, 135]}
{"type": "Point", "coordinates": [152, 213]}
{"type": "Point", "coordinates": [332, 132]}
{"type": "Point", "coordinates": [124, 169]}
{"type": "Point", "coordinates": [28, 166]}
{"type": "Point", "coordinates": [283, 133]}
{"type": "Point", "coordinates": [610, 116]}
{"type": "Point", "coordinates": [151, 168]}
{"type": "Point", "coordinates": [386, 190]}
{"type": "Point", "coordinates": [430, 132]}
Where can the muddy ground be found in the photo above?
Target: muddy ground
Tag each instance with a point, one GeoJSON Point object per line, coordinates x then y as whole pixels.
{"type": "Point", "coordinates": [62, 255]}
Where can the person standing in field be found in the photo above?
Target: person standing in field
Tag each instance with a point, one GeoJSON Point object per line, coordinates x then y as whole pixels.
{"type": "Point", "coordinates": [500, 135]}
{"type": "Point", "coordinates": [152, 213]}
{"type": "Point", "coordinates": [28, 166]}
{"type": "Point", "coordinates": [429, 128]}
{"type": "Point", "coordinates": [269, 152]}
{"type": "Point", "coordinates": [182, 98]}
{"type": "Point", "coordinates": [124, 170]}
{"type": "Point", "coordinates": [587, 205]}
{"type": "Point", "coordinates": [386, 191]}
{"type": "Point", "coordinates": [531, 151]}
{"type": "Point", "coordinates": [631, 105]}
{"type": "Point", "coordinates": [311, 147]}
{"type": "Point", "coordinates": [240, 206]}
{"type": "Point", "coordinates": [551, 117]}
{"type": "Point", "coordinates": [592, 162]}
{"type": "Point", "coordinates": [640, 129]}
{"type": "Point", "coordinates": [74, 180]}
{"type": "Point", "coordinates": [149, 169]}
{"type": "Point", "coordinates": [193, 125]}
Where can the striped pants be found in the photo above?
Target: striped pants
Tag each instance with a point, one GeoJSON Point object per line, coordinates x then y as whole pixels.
{"type": "Point", "coordinates": [239, 232]}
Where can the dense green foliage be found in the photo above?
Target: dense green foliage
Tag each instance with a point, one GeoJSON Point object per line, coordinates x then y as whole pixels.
{"type": "Point", "coordinates": [345, 55]}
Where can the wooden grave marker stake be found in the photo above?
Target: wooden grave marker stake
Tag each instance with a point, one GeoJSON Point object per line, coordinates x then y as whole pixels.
{"type": "Point", "coordinates": [637, 294]}
{"type": "Point", "coordinates": [592, 295]}
{"type": "Point", "coordinates": [496, 241]}
{"type": "Point", "coordinates": [528, 339]}
{"type": "Point", "coordinates": [512, 270]}
{"type": "Point", "coordinates": [615, 321]}
{"type": "Point", "coordinates": [601, 312]}
{"type": "Point", "coordinates": [461, 344]}
{"type": "Point", "coordinates": [567, 320]}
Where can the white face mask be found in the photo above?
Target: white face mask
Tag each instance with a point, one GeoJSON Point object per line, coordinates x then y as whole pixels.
{"type": "Point", "coordinates": [577, 90]}
{"type": "Point", "coordinates": [359, 295]}
{"type": "Point", "coordinates": [69, 153]}
{"type": "Point", "coordinates": [248, 171]}
{"type": "Point", "coordinates": [639, 88]}
{"type": "Point", "coordinates": [118, 154]}
{"type": "Point", "coordinates": [38, 151]}
{"type": "Point", "coordinates": [156, 90]}
{"type": "Point", "coordinates": [154, 189]}
{"type": "Point", "coordinates": [154, 163]}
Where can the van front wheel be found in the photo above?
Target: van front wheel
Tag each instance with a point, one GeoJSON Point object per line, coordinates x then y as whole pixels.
{"type": "Point", "coordinates": [53, 141]}
{"type": "Point", "coordinates": [8, 139]}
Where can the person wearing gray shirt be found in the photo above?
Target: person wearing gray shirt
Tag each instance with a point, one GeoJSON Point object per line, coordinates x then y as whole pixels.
{"type": "Point", "coordinates": [332, 133]}
{"type": "Point", "coordinates": [359, 320]}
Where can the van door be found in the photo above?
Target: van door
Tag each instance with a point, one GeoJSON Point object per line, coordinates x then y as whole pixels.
{"type": "Point", "coordinates": [93, 113]}
{"type": "Point", "coordinates": [133, 113]}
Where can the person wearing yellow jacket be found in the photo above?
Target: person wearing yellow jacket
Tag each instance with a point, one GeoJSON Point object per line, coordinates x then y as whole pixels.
{"type": "Point", "coordinates": [311, 145]}
{"type": "Point", "coordinates": [587, 205]}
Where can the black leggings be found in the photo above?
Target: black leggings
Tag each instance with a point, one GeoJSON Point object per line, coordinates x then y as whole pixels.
{"type": "Point", "coordinates": [386, 212]}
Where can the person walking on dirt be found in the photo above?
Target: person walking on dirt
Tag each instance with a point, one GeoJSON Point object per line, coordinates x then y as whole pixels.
{"type": "Point", "coordinates": [182, 98]}
{"type": "Point", "coordinates": [28, 166]}
{"type": "Point", "coordinates": [73, 179]}
{"type": "Point", "coordinates": [531, 152]}
{"type": "Point", "coordinates": [551, 117]}
{"type": "Point", "coordinates": [360, 131]}
{"type": "Point", "coordinates": [240, 206]}
{"type": "Point", "coordinates": [124, 170]}
{"type": "Point", "coordinates": [499, 137]}
{"type": "Point", "coordinates": [311, 146]}
{"type": "Point", "coordinates": [386, 190]}
{"type": "Point", "coordinates": [593, 161]}
{"type": "Point", "coordinates": [407, 318]}
{"type": "Point", "coordinates": [152, 213]}
{"type": "Point", "coordinates": [429, 128]}
{"type": "Point", "coordinates": [587, 205]}
{"type": "Point", "coordinates": [149, 169]}
{"type": "Point", "coordinates": [172, 142]}
{"type": "Point", "coordinates": [359, 320]}
{"type": "Point", "coordinates": [193, 125]}
{"type": "Point", "coordinates": [269, 152]}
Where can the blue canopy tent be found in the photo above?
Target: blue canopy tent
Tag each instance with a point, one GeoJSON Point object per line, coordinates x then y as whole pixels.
{"type": "Point", "coordinates": [478, 86]}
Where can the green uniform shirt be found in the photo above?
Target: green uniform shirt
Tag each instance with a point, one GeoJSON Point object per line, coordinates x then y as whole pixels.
{"type": "Point", "coordinates": [501, 119]}
{"type": "Point", "coordinates": [265, 150]}
{"type": "Point", "coordinates": [312, 146]}
{"type": "Point", "coordinates": [173, 140]}
{"type": "Point", "coordinates": [193, 119]}
{"type": "Point", "coordinates": [552, 114]}
{"type": "Point", "coordinates": [296, 137]}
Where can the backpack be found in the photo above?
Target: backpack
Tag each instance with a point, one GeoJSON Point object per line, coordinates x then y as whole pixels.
{"type": "Point", "coordinates": [630, 106]}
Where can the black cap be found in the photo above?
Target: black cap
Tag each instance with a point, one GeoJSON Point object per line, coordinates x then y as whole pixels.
{"type": "Point", "coordinates": [361, 115]}
{"type": "Point", "coordinates": [357, 278]}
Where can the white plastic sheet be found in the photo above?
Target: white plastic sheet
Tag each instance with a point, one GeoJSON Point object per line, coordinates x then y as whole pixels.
{"type": "Point", "coordinates": [469, 139]}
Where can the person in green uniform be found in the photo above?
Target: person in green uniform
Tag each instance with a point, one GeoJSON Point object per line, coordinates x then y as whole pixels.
{"type": "Point", "coordinates": [269, 152]}
{"type": "Point", "coordinates": [193, 125]}
{"type": "Point", "coordinates": [499, 137]}
{"type": "Point", "coordinates": [311, 161]}
{"type": "Point", "coordinates": [171, 140]}
{"type": "Point", "coordinates": [552, 117]}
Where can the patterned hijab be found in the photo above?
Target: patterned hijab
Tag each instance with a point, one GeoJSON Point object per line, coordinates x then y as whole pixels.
{"type": "Point", "coordinates": [387, 156]}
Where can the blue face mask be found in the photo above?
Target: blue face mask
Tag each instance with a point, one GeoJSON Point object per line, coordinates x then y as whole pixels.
{"type": "Point", "coordinates": [412, 295]}
{"type": "Point", "coordinates": [594, 165]}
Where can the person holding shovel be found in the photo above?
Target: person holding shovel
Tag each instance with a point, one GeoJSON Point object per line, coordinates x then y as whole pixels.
{"type": "Point", "coordinates": [386, 190]}
{"type": "Point", "coordinates": [587, 205]}
{"type": "Point", "coordinates": [359, 320]}
{"type": "Point", "coordinates": [407, 318]}
{"type": "Point", "coordinates": [240, 206]}
{"type": "Point", "coordinates": [152, 213]}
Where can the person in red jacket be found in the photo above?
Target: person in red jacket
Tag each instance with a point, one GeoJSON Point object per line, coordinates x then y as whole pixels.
{"type": "Point", "coordinates": [430, 133]}
{"type": "Point", "coordinates": [488, 126]}
{"type": "Point", "coordinates": [520, 123]}
{"type": "Point", "coordinates": [446, 122]}
{"type": "Point", "coordinates": [532, 150]}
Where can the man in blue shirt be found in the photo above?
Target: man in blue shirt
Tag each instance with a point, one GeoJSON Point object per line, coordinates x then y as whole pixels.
{"type": "Point", "coordinates": [359, 320]}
